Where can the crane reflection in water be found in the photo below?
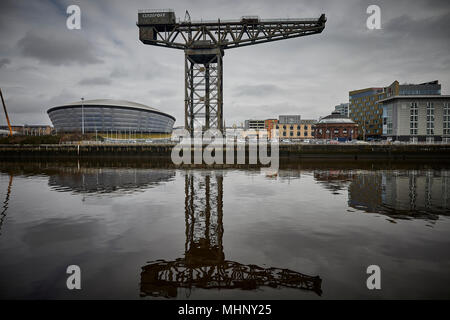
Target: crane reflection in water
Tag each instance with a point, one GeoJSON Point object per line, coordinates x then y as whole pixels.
{"type": "Point", "coordinates": [204, 265]}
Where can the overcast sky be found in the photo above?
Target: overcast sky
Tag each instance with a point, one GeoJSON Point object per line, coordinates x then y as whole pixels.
{"type": "Point", "coordinates": [43, 64]}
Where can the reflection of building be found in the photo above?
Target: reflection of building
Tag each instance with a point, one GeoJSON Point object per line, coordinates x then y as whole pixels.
{"type": "Point", "coordinates": [334, 180]}
{"type": "Point", "coordinates": [110, 116]}
{"type": "Point", "coordinates": [336, 126]}
{"type": "Point", "coordinates": [416, 118]}
{"type": "Point", "coordinates": [367, 113]}
{"type": "Point", "coordinates": [407, 194]}
{"type": "Point", "coordinates": [364, 193]}
{"type": "Point", "coordinates": [107, 180]}
{"type": "Point", "coordinates": [204, 265]}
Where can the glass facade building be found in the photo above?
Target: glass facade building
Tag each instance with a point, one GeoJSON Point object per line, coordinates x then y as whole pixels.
{"type": "Point", "coordinates": [109, 116]}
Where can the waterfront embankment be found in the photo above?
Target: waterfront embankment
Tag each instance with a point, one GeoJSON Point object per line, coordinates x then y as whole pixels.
{"type": "Point", "coordinates": [290, 151]}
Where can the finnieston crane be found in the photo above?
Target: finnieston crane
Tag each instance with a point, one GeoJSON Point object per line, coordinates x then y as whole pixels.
{"type": "Point", "coordinates": [204, 43]}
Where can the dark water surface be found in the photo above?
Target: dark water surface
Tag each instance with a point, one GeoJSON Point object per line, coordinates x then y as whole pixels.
{"type": "Point", "coordinates": [141, 231]}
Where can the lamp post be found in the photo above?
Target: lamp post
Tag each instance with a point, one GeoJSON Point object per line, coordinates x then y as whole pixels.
{"type": "Point", "coordinates": [82, 115]}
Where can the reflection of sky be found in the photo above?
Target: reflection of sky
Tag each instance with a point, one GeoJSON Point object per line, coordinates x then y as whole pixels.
{"type": "Point", "coordinates": [296, 224]}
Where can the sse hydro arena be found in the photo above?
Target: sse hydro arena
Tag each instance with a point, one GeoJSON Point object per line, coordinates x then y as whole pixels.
{"type": "Point", "coordinates": [110, 117]}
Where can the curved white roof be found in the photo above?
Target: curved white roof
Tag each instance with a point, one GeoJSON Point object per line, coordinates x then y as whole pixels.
{"type": "Point", "coordinates": [110, 102]}
{"type": "Point", "coordinates": [336, 117]}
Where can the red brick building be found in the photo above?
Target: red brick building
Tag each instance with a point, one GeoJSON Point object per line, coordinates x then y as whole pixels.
{"type": "Point", "coordinates": [336, 126]}
{"type": "Point", "coordinates": [270, 125]}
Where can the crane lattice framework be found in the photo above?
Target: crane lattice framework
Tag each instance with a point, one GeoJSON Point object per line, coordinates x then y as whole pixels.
{"type": "Point", "coordinates": [204, 43]}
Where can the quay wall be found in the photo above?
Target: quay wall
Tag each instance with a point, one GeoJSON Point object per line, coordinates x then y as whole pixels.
{"type": "Point", "coordinates": [290, 151]}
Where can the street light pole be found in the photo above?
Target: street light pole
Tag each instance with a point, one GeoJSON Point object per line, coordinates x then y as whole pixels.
{"type": "Point", "coordinates": [82, 115]}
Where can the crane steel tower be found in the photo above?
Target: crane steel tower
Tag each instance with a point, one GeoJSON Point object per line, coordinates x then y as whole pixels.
{"type": "Point", "coordinates": [204, 43]}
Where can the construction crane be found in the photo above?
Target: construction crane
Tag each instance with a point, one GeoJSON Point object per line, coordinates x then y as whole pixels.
{"type": "Point", "coordinates": [204, 265]}
{"type": "Point", "coordinates": [204, 43]}
{"type": "Point", "coordinates": [6, 113]}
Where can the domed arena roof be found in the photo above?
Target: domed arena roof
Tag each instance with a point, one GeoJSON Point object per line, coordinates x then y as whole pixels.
{"type": "Point", "coordinates": [336, 117]}
{"type": "Point", "coordinates": [109, 102]}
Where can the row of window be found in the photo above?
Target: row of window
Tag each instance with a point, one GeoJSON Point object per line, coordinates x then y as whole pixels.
{"type": "Point", "coordinates": [337, 131]}
{"type": "Point", "coordinates": [413, 118]}
{"type": "Point", "coordinates": [291, 127]}
{"type": "Point", "coordinates": [430, 118]}
{"type": "Point", "coordinates": [305, 134]}
{"type": "Point", "coordinates": [446, 119]}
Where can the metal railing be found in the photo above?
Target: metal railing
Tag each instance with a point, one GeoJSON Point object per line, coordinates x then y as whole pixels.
{"type": "Point", "coordinates": [155, 10]}
{"type": "Point", "coordinates": [238, 21]}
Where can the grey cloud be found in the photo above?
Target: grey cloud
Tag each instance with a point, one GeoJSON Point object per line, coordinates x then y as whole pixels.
{"type": "Point", "coordinates": [4, 62]}
{"type": "Point", "coordinates": [62, 48]}
{"type": "Point", "coordinates": [94, 81]}
{"type": "Point", "coordinates": [119, 73]}
{"type": "Point", "coordinates": [430, 28]}
{"type": "Point", "coordinates": [307, 75]}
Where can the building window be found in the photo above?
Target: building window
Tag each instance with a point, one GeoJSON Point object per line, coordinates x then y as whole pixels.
{"type": "Point", "coordinates": [292, 134]}
{"type": "Point", "coordinates": [446, 123]}
{"type": "Point", "coordinates": [413, 118]}
{"type": "Point", "coordinates": [305, 128]}
{"type": "Point", "coordinates": [387, 120]}
{"type": "Point", "coordinates": [298, 133]}
{"type": "Point", "coordinates": [292, 127]}
{"type": "Point", "coordinates": [430, 118]}
{"type": "Point", "coordinates": [336, 131]}
{"type": "Point", "coordinates": [284, 133]}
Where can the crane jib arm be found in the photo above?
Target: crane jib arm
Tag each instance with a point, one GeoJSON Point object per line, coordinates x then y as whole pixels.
{"type": "Point", "coordinates": [162, 29]}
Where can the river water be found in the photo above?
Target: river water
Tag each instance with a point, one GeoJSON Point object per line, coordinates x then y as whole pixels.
{"type": "Point", "coordinates": [144, 231]}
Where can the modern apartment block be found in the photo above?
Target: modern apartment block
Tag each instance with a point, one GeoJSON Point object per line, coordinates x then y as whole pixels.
{"type": "Point", "coordinates": [416, 118]}
{"type": "Point", "coordinates": [342, 109]}
{"type": "Point", "coordinates": [364, 106]}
